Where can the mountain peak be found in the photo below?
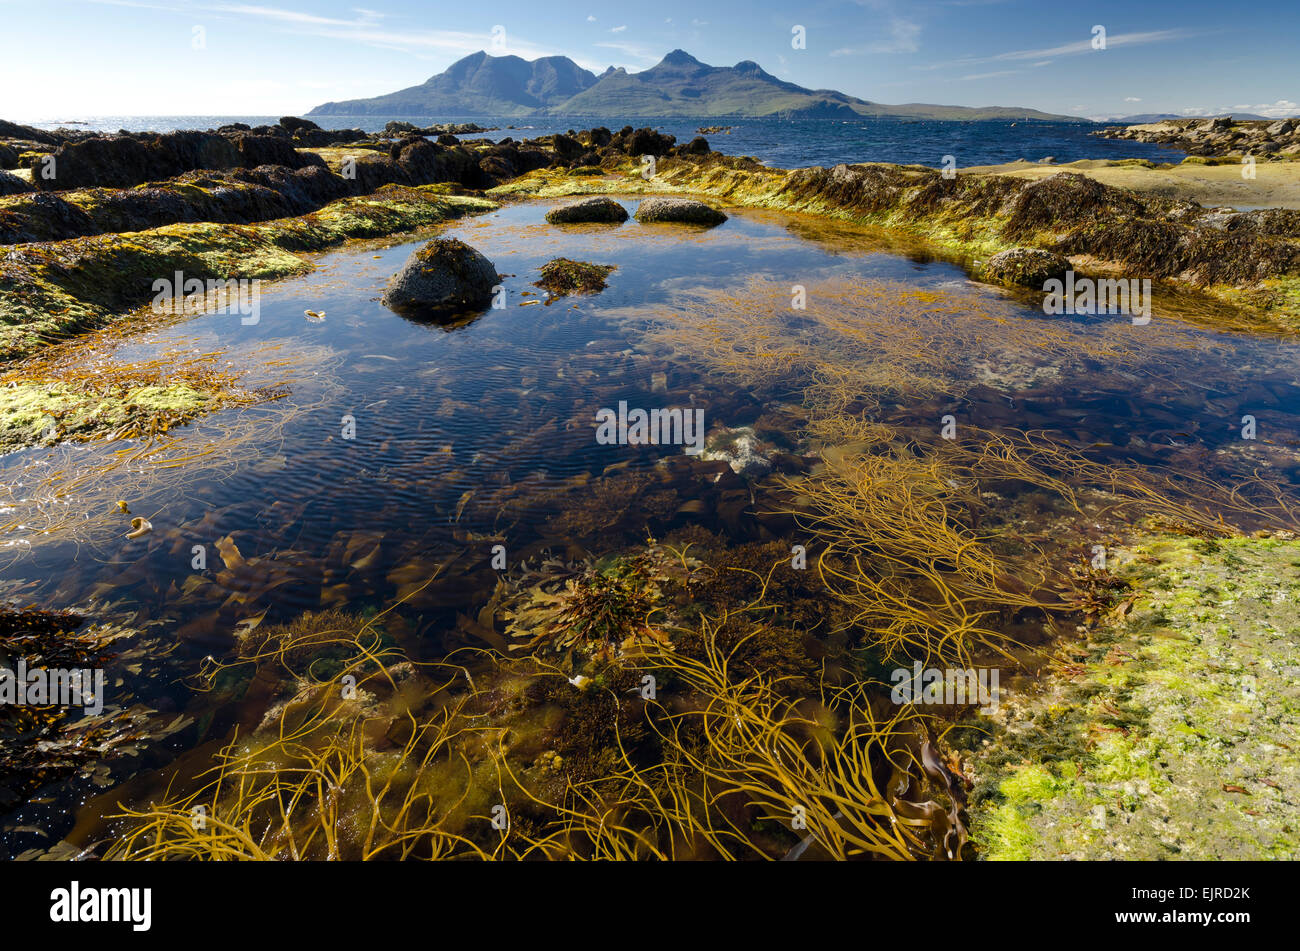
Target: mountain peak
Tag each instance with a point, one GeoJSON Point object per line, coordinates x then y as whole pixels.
{"type": "Point", "coordinates": [750, 68]}
{"type": "Point", "coordinates": [680, 58]}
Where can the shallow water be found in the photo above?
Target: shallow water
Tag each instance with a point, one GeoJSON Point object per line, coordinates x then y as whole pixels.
{"type": "Point", "coordinates": [483, 433]}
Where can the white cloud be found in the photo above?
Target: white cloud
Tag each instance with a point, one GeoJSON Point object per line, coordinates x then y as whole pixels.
{"type": "Point", "coordinates": [617, 29]}
{"type": "Point", "coordinates": [1066, 49]}
{"type": "Point", "coordinates": [900, 37]}
{"type": "Point", "coordinates": [1132, 98]}
{"type": "Point", "coordinates": [1000, 72]}
{"type": "Point", "coordinates": [1282, 109]}
{"type": "Point", "coordinates": [591, 19]}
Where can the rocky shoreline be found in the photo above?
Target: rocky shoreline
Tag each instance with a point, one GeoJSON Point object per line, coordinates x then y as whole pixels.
{"type": "Point", "coordinates": [86, 244]}
{"type": "Point", "coordinates": [1222, 137]}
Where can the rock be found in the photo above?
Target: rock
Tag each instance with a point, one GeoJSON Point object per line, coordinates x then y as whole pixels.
{"type": "Point", "coordinates": [685, 210]}
{"type": "Point", "coordinates": [273, 150]}
{"type": "Point", "coordinates": [646, 142]}
{"type": "Point", "coordinates": [566, 147]}
{"type": "Point", "coordinates": [8, 156]}
{"type": "Point", "coordinates": [123, 161]}
{"type": "Point", "coordinates": [697, 146]}
{"type": "Point", "coordinates": [294, 124]}
{"type": "Point", "coordinates": [596, 208]}
{"type": "Point", "coordinates": [13, 185]}
{"type": "Point", "coordinates": [1281, 127]}
{"type": "Point", "coordinates": [397, 128]}
{"type": "Point", "coordinates": [446, 274]}
{"type": "Point", "coordinates": [1025, 267]}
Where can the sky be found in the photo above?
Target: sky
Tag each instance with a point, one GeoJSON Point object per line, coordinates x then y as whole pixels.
{"type": "Point", "coordinates": [71, 59]}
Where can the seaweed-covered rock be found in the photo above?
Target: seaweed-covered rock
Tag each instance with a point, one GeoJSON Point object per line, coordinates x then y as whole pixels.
{"type": "Point", "coordinates": [563, 276]}
{"type": "Point", "coordinates": [685, 210]}
{"type": "Point", "coordinates": [697, 146]}
{"type": "Point", "coordinates": [121, 161]}
{"type": "Point", "coordinates": [596, 208]}
{"type": "Point", "coordinates": [8, 156]}
{"type": "Point", "coordinates": [1025, 267]}
{"type": "Point", "coordinates": [444, 275]}
{"type": "Point", "coordinates": [647, 142]}
{"type": "Point", "coordinates": [13, 185]}
{"type": "Point", "coordinates": [256, 150]}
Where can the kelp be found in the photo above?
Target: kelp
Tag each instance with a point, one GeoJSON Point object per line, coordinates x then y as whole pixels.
{"type": "Point", "coordinates": [384, 759]}
{"type": "Point", "coordinates": [599, 610]}
{"type": "Point", "coordinates": [42, 742]}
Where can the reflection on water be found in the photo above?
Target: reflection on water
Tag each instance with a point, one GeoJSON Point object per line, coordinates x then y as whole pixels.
{"type": "Point", "coordinates": [405, 449]}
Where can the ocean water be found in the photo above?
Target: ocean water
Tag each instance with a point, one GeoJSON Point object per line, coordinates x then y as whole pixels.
{"type": "Point", "coordinates": [781, 143]}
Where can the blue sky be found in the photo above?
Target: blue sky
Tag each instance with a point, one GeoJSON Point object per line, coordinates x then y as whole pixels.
{"type": "Point", "coordinates": [65, 59]}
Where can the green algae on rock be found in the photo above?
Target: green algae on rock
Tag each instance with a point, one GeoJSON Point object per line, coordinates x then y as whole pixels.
{"type": "Point", "coordinates": [52, 290]}
{"type": "Point", "coordinates": [1169, 736]}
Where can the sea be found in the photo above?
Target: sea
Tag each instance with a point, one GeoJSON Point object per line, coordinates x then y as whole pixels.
{"type": "Point", "coordinates": [794, 143]}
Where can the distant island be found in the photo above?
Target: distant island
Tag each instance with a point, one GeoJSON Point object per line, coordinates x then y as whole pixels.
{"type": "Point", "coordinates": [679, 85]}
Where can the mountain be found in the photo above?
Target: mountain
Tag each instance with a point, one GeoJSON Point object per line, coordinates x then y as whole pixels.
{"type": "Point", "coordinates": [1148, 117]}
{"type": "Point", "coordinates": [679, 85]}
{"type": "Point", "coordinates": [478, 85]}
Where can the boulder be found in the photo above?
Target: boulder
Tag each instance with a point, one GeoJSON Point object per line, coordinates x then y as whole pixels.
{"type": "Point", "coordinates": [697, 146]}
{"type": "Point", "coordinates": [596, 208]}
{"type": "Point", "coordinates": [684, 210]}
{"type": "Point", "coordinates": [1025, 267]}
{"type": "Point", "coordinates": [444, 275]}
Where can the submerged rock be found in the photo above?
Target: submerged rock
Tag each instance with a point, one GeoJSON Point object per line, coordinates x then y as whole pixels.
{"type": "Point", "coordinates": [445, 274]}
{"type": "Point", "coordinates": [1025, 267]}
{"type": "Point", "coordinates": [686, 210]}
{"type": "Point", "coordinates": [597, 208]}
{"type": "Point", "coordinates": [740, 449]}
